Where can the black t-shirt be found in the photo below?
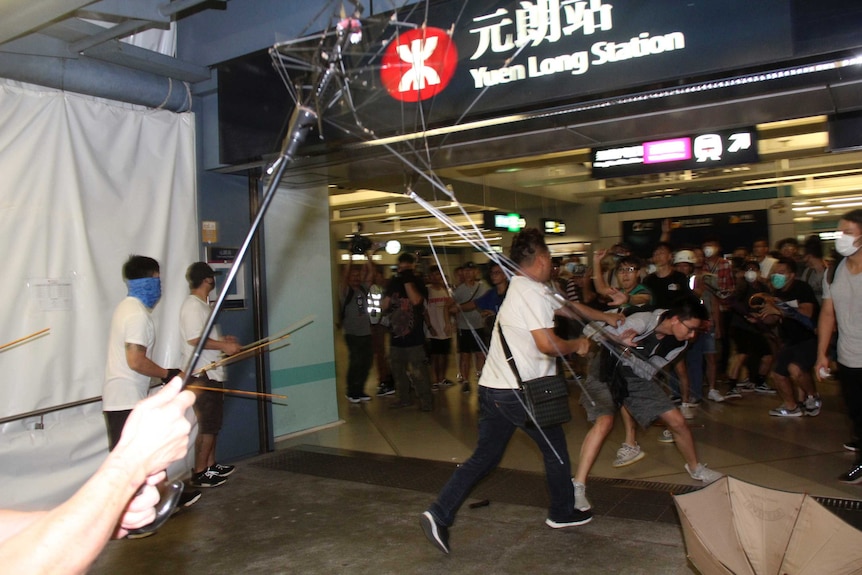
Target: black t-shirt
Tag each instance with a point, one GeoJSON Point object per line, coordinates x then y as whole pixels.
{"type": "Point", "coordinates": [668, 289]}
{"type": "Point", "coordinates": [406, 321]}
{"type": "Point", "coordinates": [794, 330]}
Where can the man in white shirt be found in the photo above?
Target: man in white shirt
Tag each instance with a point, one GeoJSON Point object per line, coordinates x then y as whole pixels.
{"type": "Point", "coordinates": [526, 318]}
{"type": "Point", "coordinates": [209, 406]}
{"type": "Point", "coordinates": [130, 345]}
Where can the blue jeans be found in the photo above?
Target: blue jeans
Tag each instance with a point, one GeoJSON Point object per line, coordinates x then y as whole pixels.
{"type": "Point", "coordinates": [500, 414]}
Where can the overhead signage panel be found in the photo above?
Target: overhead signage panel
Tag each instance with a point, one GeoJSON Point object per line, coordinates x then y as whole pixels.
{"type": "Point", "coordinates": [515, 55]}
{"type": "Point", "coordinates": [502, 221]}
{"type": "Point", "coordinates": [553, 227]}
{"type": "Point", "coordinates": [699, 151]}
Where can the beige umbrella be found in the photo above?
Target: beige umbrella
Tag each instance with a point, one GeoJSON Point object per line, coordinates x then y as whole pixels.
{"type": "Point", "coordinates": [734, 527]}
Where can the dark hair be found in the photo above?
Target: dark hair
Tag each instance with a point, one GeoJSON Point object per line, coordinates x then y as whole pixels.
{"type": "Point", "coordinates": [137, 267]}
{"type": "Point", "coordinates": [629, 261]}
{"type": "Point", "coordinates": [665, 245]}
{"type": "Point", "coordinates": [814, 246]}
{"type": "Point", "coordinates": [407, 258]}
{"type": "Point", "coordinates": [787, 241]}
{"type": "Point", "coordinates": [789, 262]}
{"type": "Point", "coordinates": [526, 245]}
{"type": "Point", "coordinates": [854, 216]}
{"type": "Point", "coordinates": [687, 307]}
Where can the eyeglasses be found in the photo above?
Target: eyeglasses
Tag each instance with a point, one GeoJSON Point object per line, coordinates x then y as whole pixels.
{"type": "Point", "coordinates": [629, 270]}
{"type": "Point", "coordinates": [690, 329]}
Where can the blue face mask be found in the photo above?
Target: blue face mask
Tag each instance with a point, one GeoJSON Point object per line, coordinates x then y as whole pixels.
{"type": "Point", "coordinates": [779, 280]}
{"type": "Point", "coordinates": [148, 290]}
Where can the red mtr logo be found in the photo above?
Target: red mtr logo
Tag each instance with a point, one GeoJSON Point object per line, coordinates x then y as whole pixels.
{"type": "Point", "coordinates": [419, 64]}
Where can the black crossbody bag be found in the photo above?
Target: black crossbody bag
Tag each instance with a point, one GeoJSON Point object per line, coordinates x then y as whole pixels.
{"type": "Point", "coordinates": [546, 398]}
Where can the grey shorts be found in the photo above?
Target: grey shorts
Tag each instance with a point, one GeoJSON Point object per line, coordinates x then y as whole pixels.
{"type": "Point", "coordinates": [646, 401]}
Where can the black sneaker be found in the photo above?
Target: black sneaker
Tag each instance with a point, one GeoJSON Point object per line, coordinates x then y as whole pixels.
{"type": "Point", "coordinates": [189, 498]}
{"type": "Point", "coordinates": [436, 533]}
{"type": "Point", "coordinates": [465, 387]}
{"type": "Point", "coordinates": [207, 478]}
{"type": "Point", "coordinates": [384, 389]}
{"type": "Point", "coordinates": [222, 470]}
{"type": "Point", "coordinates": [854, 476]}
{"type": "Point", "coordinates": [364, 397]}
{"type": "Point", "coordinates": [764, 388]}
{"type": "Point", "coordinates": [853, 445]}
{"type": "Point", "coordinates": [576, 518]}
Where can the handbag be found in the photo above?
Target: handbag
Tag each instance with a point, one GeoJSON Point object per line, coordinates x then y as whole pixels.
{"type": "Point", "coordinates": [546, 398]}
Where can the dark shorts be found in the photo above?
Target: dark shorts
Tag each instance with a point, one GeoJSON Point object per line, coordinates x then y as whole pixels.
{"type": "Point", "coordinates": [439, 346]}
{"type": "Point", "coordinates": [750, 343]}
{"type": "Point", "coordinates": [802, 354]}
{"type": "Point", "coordinates": [646, 400]}
{"type": "Point", "coordinates": [115, 420]}
{"type": "Point", "coordinates": [209, 407]}
{"type": "Point", "coordinates": [467, 342]}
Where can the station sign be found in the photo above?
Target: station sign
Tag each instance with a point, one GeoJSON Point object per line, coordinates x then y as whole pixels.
{"type": "Point", "coordinates": [553, 227]}
{"type": "Point", "coordinates": [691, 152]}
{"type": "Point", "coordinates": [502, 221]}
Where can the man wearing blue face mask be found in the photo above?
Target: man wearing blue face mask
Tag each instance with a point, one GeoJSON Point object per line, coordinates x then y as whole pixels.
{"type": "Point", "coordinates": [796, 312]}
{"type": "Point", "coordinates": [130, 344]}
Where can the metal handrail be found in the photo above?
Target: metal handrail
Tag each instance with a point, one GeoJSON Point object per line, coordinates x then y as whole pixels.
{"type": "Point", "coordinates": [61, 407]}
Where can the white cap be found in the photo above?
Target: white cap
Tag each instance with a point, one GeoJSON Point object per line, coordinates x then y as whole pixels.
{"type": "Point", "coordinates": [684, 257]}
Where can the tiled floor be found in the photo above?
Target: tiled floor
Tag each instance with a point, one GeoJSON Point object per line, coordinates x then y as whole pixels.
{"type": "Point", "coordinates": [736, 437]}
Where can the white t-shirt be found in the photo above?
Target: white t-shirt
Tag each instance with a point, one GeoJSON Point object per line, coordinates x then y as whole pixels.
{"type": "Point", "coordinates": [845, 291]}
{"type": "Point", "coordinates": [124, 387]}
{"type": "Point", "coordinates": [194, 314]}
{"type": "Point", "coordinates": [528, 306]}
{"type": "Point", "coordinates": [437, 313]}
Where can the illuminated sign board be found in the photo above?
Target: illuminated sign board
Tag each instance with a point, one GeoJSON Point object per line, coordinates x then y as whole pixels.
{"type": "Point", "coordinates": [694, 152]}
{"type": "Point", "coordinates": [503, 221]}
{"type": "Point", "coordinates": [553, 227]}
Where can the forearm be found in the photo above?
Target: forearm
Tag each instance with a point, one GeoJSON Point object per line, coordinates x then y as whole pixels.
{"type": "Point", "coordinates": [210, 344]}
{"type": "Point", "coordinates": [146, 366]}
{"type": "Point", "coordinates": [68, 538]}
{"type": "Point", "coordinates": [587, 312]}
{"type": "Point", "coordinates": [825, 327]}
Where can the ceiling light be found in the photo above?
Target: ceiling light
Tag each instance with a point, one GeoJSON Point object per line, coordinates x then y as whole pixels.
{"type": "Point", "coordinates": [844, 199]}
{"type": "Point", "coordinates": [819, 212]}
{"type": "Point", "coordinates": [393, 247]}
{"type": "Point", "coordinates": [847, 205]}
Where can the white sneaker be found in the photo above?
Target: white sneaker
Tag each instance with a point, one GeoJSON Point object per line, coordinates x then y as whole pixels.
{"type": "Point", "coordinates": [702, 473]}
{"type": "Point", "coordinates": [581, 501]}
{"type": "Point", "coordinates": [687, 410]}
{"type": "Point", "coordinates": [715, 395]}
{"type": "Point", "coordinates": [628, 454]}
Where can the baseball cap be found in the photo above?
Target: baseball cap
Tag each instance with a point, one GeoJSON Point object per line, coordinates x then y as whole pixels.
{"type": "Point", "coordinates": [199, 271]}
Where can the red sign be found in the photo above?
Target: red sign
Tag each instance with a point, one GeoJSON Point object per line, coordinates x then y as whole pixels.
{"type": "Point", "coordinates": [419, 64]}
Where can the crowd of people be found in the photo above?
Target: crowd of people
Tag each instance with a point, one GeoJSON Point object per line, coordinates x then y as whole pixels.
{"type": "Point", "coordinates": [688, 324]}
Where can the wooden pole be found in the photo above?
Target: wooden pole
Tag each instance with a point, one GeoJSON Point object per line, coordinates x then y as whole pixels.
{"type": "Point", "coordinates": [25, 338]}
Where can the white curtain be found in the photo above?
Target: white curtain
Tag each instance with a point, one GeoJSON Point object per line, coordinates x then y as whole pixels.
{"type": "Point", "coordinates": [85, 183]}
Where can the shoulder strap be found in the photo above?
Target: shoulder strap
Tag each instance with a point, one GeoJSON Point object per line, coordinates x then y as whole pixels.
{"type": "Point", "coordinates": [347, 299]}
{"type": "Point", "coordinates": [509, 358]}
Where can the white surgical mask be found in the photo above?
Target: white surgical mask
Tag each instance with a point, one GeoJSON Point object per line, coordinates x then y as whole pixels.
{"type": "Point", "coordinates": [709, 251]}
{"type": "Point", "coordinates": [751, 276]}
{"type": "Point", "coordinates": [845, 245]}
